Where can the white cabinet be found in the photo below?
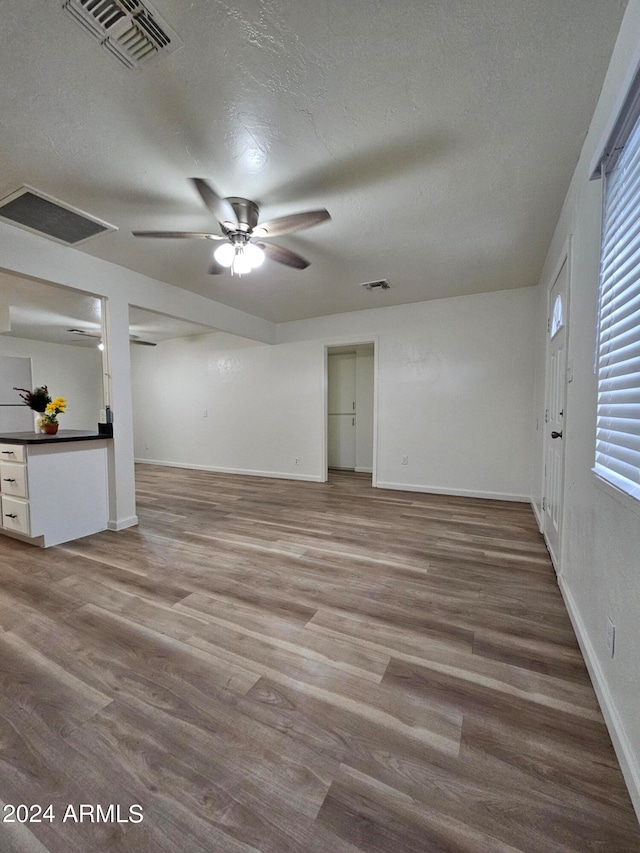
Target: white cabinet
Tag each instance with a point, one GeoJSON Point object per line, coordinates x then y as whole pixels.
{"type": "Point", "coordinates": [342, 383]}
{"type": "Point", "coordinates": [13, 479]}
{"type": "Point", "coordinates": [12, 452]}
{"type": "Point", "coordinates": [15, 515]}
{"type": "Point", "coordinates": [342, 442]}
{"type": "Point", "coordinates": [54, 492]}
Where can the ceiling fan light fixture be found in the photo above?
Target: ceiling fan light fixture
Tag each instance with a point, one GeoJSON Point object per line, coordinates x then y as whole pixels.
{"type": "Point", "coordinates": [225, 254]}
{"type": "Point", "coordinates": [240, 265]}
{"type": "Point", "coordinates": [240, 257]}
{"type": "Point", "coordinates": [238, 219]}
{"type": "Point", "coordinates": [254, 255]}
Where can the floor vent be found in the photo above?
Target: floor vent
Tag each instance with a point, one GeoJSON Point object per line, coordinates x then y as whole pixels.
{"type": "Point", "coordinates": [131, 31]}
{"type": "Point", "coordinates": [36, 212]}
{"type": "Point", "coordinates": [382, 283]}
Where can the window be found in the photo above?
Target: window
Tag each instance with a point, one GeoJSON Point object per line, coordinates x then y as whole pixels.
{"type": "Point", "coordinates": [618, 354]}
{"type": "Point", "coordinates": [557, 318]}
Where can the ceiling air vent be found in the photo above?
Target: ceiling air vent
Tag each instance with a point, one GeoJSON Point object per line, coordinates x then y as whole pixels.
{"type": "Point", "coordinates": [382, 283]}
{"type": "Point", "coordinates": [36, 212]}
{"type": "Point", "coordinates": [131, 31]}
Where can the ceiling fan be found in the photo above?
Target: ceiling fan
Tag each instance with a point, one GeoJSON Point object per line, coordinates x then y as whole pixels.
{"type": "Point", "coordinates": [240, 250]}
{"type": "Point", "coordinates": [134, 339]}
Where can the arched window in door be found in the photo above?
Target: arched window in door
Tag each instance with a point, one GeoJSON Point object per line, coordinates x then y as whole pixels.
{"type": "Point", "coordinates": [557, 318]}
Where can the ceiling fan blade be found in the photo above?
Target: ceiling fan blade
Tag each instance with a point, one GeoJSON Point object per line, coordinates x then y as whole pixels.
{"type": "Point", "coordinates": [220, 207]}
{"type": "Point", "coordinates": [179, 234]}
{"type": "Point", "coordinates": [84, 333]}
{"type": "Point", "coordinates": [133, 339]}
{"type": "Point", "coordinates": [295, 222]}
{"type": "Point", "coordinates": [216, 269]}
{"type": "Point", "coordinates": [284, 256]}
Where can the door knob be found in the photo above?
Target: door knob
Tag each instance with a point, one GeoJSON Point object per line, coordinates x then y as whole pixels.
{"type": "Point", "coordinates": [555, 434]}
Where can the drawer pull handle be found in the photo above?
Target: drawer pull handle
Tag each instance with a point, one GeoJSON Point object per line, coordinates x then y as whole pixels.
{"type": "Point", "coordinates": [10, 515]}
{"type": "Point", "coordinates": [8, 452]}
{"type": "Point", "coordinates": [8, 480]}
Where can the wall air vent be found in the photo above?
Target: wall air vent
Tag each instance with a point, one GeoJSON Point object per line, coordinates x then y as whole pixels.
{"type": "Point", "coordinates": [36, 212]}
{"type": "Point", "coordinates": [382, 283]}
{"type": "Point", "coordinates": [131, 31]}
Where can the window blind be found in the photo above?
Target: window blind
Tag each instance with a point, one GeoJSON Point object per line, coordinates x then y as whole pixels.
{"type": "Point", "coordinates": [618, 415]}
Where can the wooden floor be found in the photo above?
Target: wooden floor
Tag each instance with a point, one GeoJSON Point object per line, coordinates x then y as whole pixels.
{"type": "Point", "coordinates": [273, 666]}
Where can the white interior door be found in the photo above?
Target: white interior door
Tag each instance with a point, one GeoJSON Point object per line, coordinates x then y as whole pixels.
{"type": "Point", "coordinates": [342, 410]}
{"type": "Point", "coordinates": [342, 441]}
{"type": "Point", "coordinates": [342, 383]}
{"type": "Point", "coordinates": [555, 413]}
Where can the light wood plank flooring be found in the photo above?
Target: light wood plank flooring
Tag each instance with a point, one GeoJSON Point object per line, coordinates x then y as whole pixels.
{"type": "Point", "coordinates": [265, 665]}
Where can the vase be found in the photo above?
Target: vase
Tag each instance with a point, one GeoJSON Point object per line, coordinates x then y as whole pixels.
{"type": "Point", "coordinates": [37, 426]}
{"type": "Point", "coordinates": [51, 429]}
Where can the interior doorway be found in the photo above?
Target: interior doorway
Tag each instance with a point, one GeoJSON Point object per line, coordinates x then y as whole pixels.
{"type": "Point", "coordinates": [350, 408]}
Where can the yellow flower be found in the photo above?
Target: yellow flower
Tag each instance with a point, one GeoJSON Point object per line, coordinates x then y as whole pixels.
{"type": "Point", "coordinates": [55, 407]}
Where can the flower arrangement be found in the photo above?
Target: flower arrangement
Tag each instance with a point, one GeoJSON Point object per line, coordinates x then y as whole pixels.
{"type": "Point", "coordinates": [38, 399]}
{"type": "Point", "coordinates": [54, 408]}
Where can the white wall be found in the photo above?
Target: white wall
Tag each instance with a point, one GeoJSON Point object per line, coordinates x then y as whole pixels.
{"type": "Point", "coordinates": [72, 372]}
{"type": "Point", "coordinates": [455, 384]}
{"type": "Point", "coordinates": [264, 405]}
{"type": "Point", "coordinates": [600, 548]}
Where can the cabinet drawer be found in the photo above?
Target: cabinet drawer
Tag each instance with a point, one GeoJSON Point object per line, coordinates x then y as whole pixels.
{"type": "Point", "coordinates": [13, 479]}
{"type": "Point", "coordinates": [12, 453]}
{"type": "Point", "coordinates": [15, 515]}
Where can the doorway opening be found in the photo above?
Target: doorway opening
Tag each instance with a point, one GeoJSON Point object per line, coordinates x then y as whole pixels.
{"type": "Point", "coordinates": [350, 421]}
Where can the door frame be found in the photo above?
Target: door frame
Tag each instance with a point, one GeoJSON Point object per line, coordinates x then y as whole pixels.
{"type": "Point", "coordinates": [564, 258]}
{"type": "Point", "coordinates": [347, 342]}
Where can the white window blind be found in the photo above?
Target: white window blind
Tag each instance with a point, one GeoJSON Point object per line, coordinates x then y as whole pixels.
{"type": "Point", "coordinates": [618, 420]}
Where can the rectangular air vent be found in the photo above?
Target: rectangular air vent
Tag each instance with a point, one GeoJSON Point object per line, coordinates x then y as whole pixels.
{"type": "Point", "coordinates": [382, 283]}
{"type": "Point", "coordinates": [36, 212]}
{"type": "Point", "coordinates": [130, 30]}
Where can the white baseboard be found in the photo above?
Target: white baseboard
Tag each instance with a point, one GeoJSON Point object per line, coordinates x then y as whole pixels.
{"type": "Point", "coordinates": [463, 493]}
{"type": "Point", "coordinates": [537, 513]}
{"type": "Point", "coordinates": [123, 523]}
{"type": "Point", "coordinates": [364, 470]}
{"type": "Point", "coordinates": [624, 753]}
{"type": "Point", "coordinates": [277, 475]}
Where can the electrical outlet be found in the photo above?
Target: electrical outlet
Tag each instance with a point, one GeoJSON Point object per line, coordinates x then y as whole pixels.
{"type": "Point", "coordinates": [611, 636]}
{"type": "Point", "coordinates": [205, 413]}
{"type": "Point", "coordinates": [296, 460]}
{"type": "Point", "coordinates": [405, 460]}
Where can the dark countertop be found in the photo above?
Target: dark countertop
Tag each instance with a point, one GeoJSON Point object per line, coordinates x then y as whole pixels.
{"type": "Point", "coordinates": [42, 438]}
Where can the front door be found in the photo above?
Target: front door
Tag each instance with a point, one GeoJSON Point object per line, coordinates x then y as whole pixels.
{"type": "Point", "coordinates": [555, 414]}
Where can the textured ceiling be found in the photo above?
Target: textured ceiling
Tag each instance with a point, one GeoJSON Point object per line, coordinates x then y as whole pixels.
{"type": "Point", "coordinates": [440, 134]}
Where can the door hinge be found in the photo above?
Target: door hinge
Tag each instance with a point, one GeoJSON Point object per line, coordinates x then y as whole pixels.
{"type": "Point", "coordinates": [546, 416]}
{"type": "Point", "coordinates": [544, 504]}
